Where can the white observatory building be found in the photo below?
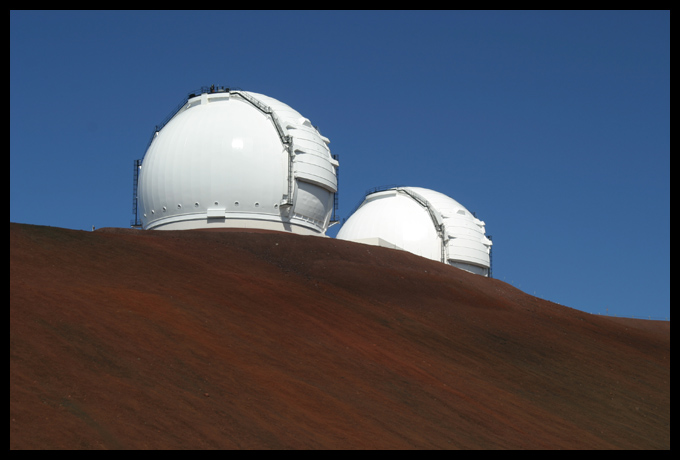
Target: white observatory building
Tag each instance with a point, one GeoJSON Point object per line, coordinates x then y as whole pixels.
{"type": "Point", "coordinates": [423, 222]}
{"type": "Point", "coordinates": [232, 158]}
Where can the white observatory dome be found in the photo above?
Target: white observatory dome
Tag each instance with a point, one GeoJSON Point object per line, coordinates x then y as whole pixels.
{"type": "Point", "coordinates": [423, 222]}
{"type": "Point", "coordinates": [231, 158]}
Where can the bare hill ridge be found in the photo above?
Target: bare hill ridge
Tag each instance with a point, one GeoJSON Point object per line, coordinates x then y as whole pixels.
{"type": "Point", "coordinates": [223, 340]}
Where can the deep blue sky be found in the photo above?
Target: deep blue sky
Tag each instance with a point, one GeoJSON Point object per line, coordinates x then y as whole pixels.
{"type": "Point", "coordinates": [554, 127]}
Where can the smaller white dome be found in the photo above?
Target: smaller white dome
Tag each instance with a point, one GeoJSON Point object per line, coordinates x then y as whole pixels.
{"type": "Point", "coordinates": [423, 222]}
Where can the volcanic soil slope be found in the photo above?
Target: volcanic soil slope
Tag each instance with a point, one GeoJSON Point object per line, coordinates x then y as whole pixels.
{"type": "Point", "coordinates": [126, 339]}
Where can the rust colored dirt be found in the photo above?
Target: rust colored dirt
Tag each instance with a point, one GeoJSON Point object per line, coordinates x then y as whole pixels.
{"type": "Point", "coordinates": [126, 339]}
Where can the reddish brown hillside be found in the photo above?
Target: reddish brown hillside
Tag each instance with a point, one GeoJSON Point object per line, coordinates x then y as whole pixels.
{"type": "Point", "coordinates": [224, 340]}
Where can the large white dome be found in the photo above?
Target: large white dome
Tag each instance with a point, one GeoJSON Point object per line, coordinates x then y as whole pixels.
{"type": "Point", "coordinates": [237, 159]}
{"type": "Point", "coordinates": [423, 222]}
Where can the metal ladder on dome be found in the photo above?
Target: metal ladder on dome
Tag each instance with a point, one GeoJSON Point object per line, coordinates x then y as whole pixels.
{"type": "Point", "coordinates": [135, 222]}
{"type": "Point", "coordinates": [285, 139]}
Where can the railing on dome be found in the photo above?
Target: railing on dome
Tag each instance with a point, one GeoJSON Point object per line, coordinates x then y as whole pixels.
{"type": "Point", "coordinates": [204, 89]}
{"type": "Point", "coordinates": [380, 188]}
{"type": "Point", "coordinates": [286, 139]}
{"type": "Point", "coordinates": [370, 191]}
